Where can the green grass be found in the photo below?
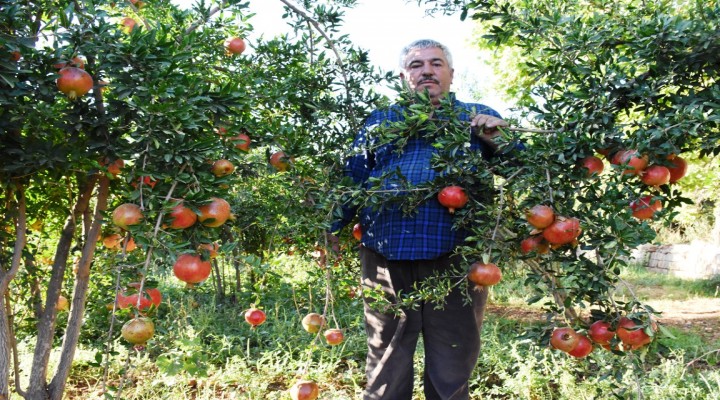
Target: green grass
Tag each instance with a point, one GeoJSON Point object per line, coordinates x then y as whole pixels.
{"type": "Point", "coordinates": [205, 350]}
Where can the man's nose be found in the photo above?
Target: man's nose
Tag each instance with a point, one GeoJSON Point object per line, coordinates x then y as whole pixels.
{"type": "Point", "coordinates": [427, 69]}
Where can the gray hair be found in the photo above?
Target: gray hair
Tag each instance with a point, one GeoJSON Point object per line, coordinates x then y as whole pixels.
{"type": "Point", "coordinates": [424, 44]}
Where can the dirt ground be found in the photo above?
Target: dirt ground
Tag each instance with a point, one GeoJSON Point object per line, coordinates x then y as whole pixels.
{"type": "Point", "coordinates": [700, 316]}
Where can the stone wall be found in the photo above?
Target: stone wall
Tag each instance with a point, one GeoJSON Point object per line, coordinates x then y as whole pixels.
{"type": "Point", "coordinates": [696, 260]}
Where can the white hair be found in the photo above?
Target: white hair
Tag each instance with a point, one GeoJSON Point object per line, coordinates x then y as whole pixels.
{"type": "Point", "coordinates": [424, 44]}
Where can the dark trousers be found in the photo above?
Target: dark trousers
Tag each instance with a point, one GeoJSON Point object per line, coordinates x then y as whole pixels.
{"type": "Point", "coordinates": [451, 335]}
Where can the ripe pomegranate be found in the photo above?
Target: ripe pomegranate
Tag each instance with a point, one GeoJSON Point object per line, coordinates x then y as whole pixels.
{"type": "Point", "coordinates": [191, 269]}
{"type": "Point", "coordinates": [222, 168]}
{"type": "Point", "coordinates": [601, 332]}
{"type": "Point", "coordinates": [211, 248]}
{"type": "Point", "coordinates": [583, 348]}
{"type": "Point", "coordinates": [15, 56]}
{"type": "Point", "coordinates": [635, 162]}
{"type": "Point", "coordinates": [655, 175]}
{"type": "Point", "coordinates": [540, 216]}
{"type": "Point", "coordinates": [452, 197]}
{"type": "Point", "coordinates": [357, 231]}
{"type": "Point", "coordinates": [127, 25]}
{"type": "Point", "coordinates": [150, 297]}
{"type": "Point", "coordinates": [254, 316]}
{"type": "Point", "coordinates": [112, 241]}
{"type": "Point", "coordinates": [678, 169]}
{"type": "Point", "coordinates": [313, 322]}
{"type": "Point", "coordinates": [536, 243]}
{"type": "Point", "coordinates": [214, 213]}
{"type": "Point", "coordinates": [280, 161]}
{"type": "Point", "coordinates": [74, 82]}
{"type": "Point", "coordinates": [182, 217]}
{"type": "Point", "coordinates": [146, 181]}
{"type": "Point", "coordinates": [304, 390]}
{"type": "Point", "coordinates": [62, 304]}
{"type": "Point", "coordinates": [645, 208]}
{"type": "Point", "coordinates": [484, 274]}
{"type": "Point", "coordinates": [593, 164]}
{"type": "Point", "coordinates": [334, 336]}
{"type": "Point", "coordinates": [562, 231]}
{"type": "Point", "coordinates": [564, 339]}
{"type": "Point", "coordinates": [126, 215]}
{"type": "Point", "coordinates": [632, 334]}
{"type": "Point", "coordinates": [234, 45]}
{"type": "Point", "coordinates": [138, 331]}
{"type": "Point", "coordinates": [242, 142]}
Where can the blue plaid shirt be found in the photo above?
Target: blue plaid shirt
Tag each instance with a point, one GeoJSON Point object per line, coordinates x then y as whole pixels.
{"type": "Point", "coordinates": [422, 235]}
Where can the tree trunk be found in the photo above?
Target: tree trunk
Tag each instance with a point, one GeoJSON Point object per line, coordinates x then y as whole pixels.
{"type": "Point", "coordinates": [6, 276]}
{"type": "Point", "coordinates": [37, 387]}
{"type": "Point", "coordinates": [82, 281]}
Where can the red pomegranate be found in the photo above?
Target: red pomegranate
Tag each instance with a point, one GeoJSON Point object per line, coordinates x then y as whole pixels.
{"type": "Point", "coordinates": [678, 169]}
{"type": "Point", "coordinates": [234, 45]}
{"type": "Point", "coordinates": [562, 231]}
{"type": "Point", "coordinates": [645, 208]}
{"type": "Point", "coordinates": [151, 297]}
{"type": "Point", "coordinates": [484, 274]}
{"type": "Point", "coordinates": [655, 175]}
{"type": "Point", "coordinates": [74, 82]}
{"type": "Point", "coordinates": [540, 216]}
{"type": "Point", "coordinates": [215, 213]}
{"type": "Point", "coordinates": [452, 197]}
{"type": "Point", "coordinates": [191, 269]}
{"type": "Point", "coordinates": [182, 217]}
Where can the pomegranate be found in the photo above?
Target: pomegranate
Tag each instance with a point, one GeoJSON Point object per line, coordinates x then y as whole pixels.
{"type": "Point", "coordinates": [112, 241]}
{"type": "Point", "coordinates": [211, 248]}
{"type": "Point", "coordinates": [313, 322]}
{"type": "Point", "coordinates": [601, 332]}
{"type": "Point", "coordinates": [540, 216]}
{"type": "Point", "coordinates": [222, 168]}
{"type": "Point", "coordinates": [280, 161]}
{"type": "Point", "coordinates": [655, 175]}
{"type": "Point", "coordinates": [214, 213]}
{"type": "Point", "coordinates": [357, 232]}
{"type": "Point", "coordinates": [126, 215]}
{"type": "Point", "coordinates": [564, 339]}
{"type": "Point", "coordinates": [138, 331]}
{"type": "Point", "coordinates": [235, 45]}
{"type": "Point", "coordinates": [127, 24]}
{"type": "Point", "coordinates": [62, 304]}
{"type": "Point", "coordinates": [242, 142]}
{"type": "Point", "coordinates": [334, 336]}
{"type": "Point", "coordinates": [452, 197]}
{"type": "Point", "coordinates": [145, 181]}
{"type": "Point", "coordinates": [678, 169]}
{"type": "Point", "coordinates": [536, 243]}
{"type": "Point", "coordinates": [115, 167]}
{"type": "Point", "coordinates": [74, 82]}
{"type": "Point", "coordinates": [191, 269]}
{"type": "Point", "coordinates": [484, 274]}
{"type": "Point", "coordinates": [562, 231]}
{"type": "Point", "coordinates": [632, 334]}
{"type": "Point", "coordinates": [150, 297]}
{"type": "Point", "coordinates": [254, 316]}
{"type": "Point", "coordinates": [635, 162]}
{"type": "Point", "coordinates": [304, 390]}
{"type": "Point", "coordinates": [583, 348]}
{"type": "Point", "coordinates": [645, 208]}
{"type": "Point", "coordinates": [593, 164]}
{"type": "Point", "coordinates": [182, 217]}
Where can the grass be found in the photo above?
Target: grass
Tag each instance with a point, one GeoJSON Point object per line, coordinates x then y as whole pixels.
{"type": "Point", "coordinates": [205, 350]}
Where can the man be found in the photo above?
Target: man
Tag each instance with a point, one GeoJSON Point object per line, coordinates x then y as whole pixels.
{"type": "Point", "coordinates": [401, 249]}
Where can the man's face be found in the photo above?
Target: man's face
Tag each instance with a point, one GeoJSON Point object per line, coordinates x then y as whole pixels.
{"type": "Point", "coordinates": [428, 69]}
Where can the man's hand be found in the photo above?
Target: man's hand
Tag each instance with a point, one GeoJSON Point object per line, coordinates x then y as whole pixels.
{"type": "Point", "coordinates": [486, 127]}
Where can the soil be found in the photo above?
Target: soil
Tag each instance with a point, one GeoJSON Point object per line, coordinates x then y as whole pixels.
{"type": "Point", "coordinates": [699, 316]}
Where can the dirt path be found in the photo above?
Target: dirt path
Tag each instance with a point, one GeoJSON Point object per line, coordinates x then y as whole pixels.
{"type": "Point", "coordinates": [700, 316]}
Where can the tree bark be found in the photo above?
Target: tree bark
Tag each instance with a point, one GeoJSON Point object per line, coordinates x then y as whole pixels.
{"type": "Point", "coordinates": [37, 387]}
{"type": "Point", "coordinates": [82, 281]}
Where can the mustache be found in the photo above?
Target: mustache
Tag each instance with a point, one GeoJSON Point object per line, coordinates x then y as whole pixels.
{"type": "Point", "coordinates": [428, 80]}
